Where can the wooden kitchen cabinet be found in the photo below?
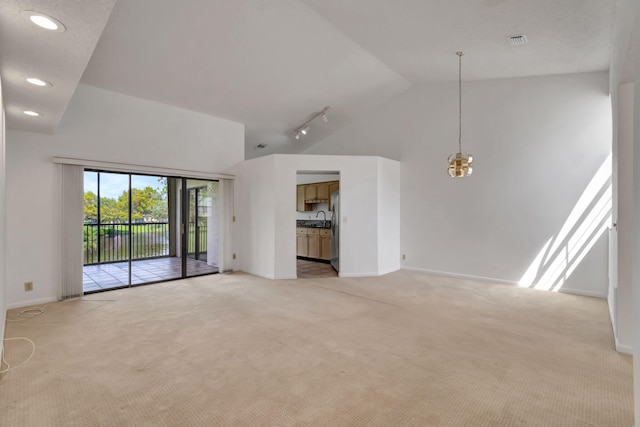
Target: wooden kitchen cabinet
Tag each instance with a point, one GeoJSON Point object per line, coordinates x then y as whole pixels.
{"type": "Point", "coordinates": [301, 205]}
{"type": "Point", "coordinates": [333, 186]}
{"type": "Point", "coordinates": [325, 244]}
{"type": "Point", "coordinates": [300, 198]}
{"type": "Point", "coordinates": [313, 243]}
{"type": "Point", "coordinates": [314, 247]}
{"type": "Point", "coordinates": [310, 192]}
{"type": "Point", "coordinates": [322, 191]}
{"type": "Point", "coordinates": [302, 242]}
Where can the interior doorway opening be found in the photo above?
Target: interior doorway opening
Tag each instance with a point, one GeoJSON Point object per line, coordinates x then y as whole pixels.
{"type": "Point", "coordinates": [317, 224]}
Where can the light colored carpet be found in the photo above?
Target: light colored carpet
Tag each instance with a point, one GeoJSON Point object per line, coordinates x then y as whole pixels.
{"type": "Point", "coordinates": [405, 349]}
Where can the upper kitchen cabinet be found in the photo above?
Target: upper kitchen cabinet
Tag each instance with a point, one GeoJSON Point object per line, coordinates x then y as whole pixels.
{"type": "Point", "coordinates": [300, 198]}
{"type": "Point", "coordinates": [310, 192]}
{"type": "Point", "coordinates": [322, 191]}
{"type": "Point", "coordinates": [301, 205]}
{"type": "Point", "coordinates": [317, 192]}
{"type": "Point", "coordinates": [333, 187]}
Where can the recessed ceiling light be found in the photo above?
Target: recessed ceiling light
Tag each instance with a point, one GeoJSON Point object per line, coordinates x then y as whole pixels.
{"type": "Point", "coordinates": [38, 82]}
{"type": "Point", "coordinates": [32, 113]}
{"type": "Point", "coordinates": [45, 21]}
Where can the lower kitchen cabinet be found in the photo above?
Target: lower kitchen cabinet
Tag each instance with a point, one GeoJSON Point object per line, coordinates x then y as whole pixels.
{"type": "Point", "coordinates": [313, 243]}
{"type": "Point", "coordinates": [302, 240]}
{"type": "Point", "coordinates": [314, 246]}
{"type": "Point", "coordinates": [325, 244]}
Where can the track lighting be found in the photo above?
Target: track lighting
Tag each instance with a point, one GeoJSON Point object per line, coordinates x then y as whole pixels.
{"type": "Point", "coordinates": [304, 129]}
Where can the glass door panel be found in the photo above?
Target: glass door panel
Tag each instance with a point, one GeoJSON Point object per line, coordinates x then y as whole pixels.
{"type": "Point", "coordinates": [151, 257]}
{"type": "Point", "coordinates": [201, 226]}
{"type": "Point", "coordinates": [106, 231]}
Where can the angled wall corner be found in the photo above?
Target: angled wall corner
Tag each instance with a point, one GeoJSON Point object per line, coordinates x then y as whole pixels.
{"type": "Point", "coordinates": [266, 195]}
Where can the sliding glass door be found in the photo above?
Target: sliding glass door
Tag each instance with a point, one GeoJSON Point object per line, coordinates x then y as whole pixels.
{"type": "Point", "coordinates": [135, 227]}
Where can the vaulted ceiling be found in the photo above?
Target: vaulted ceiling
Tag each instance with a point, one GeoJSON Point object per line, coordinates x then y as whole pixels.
{"type": "Point", "coordinates": [273, 64]}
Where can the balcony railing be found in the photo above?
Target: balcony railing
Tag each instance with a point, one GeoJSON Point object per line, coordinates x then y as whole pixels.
{"type": "Point", "coordinates": [106, 243]}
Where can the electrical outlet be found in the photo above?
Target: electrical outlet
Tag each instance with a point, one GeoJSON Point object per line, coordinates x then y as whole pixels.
{"type": "Point", "coordinates": [234, 256]}
{"type": "Point", "coordinates": [404, 257]}
{"type": "Point", "coordinates": [28, 286]}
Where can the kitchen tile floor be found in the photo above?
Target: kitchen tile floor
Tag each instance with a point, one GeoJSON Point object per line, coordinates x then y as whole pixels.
{"type": "Point", "coordinates": [311, 269]}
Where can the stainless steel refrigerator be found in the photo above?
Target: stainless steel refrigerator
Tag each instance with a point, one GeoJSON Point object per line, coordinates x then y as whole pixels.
{"type": "Point", "coordinates": [335, 230]}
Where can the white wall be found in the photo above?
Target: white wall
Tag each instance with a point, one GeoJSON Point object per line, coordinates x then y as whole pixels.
{"type": "Point", "coordinates": [626, 64]}
{"type": "Point", "coordinates": [621, 296]}
{"type": "Point", "coordinates": [3, 270]}
{"type": "Point", "coordinates": [537, 143]}
{"type": "Point", "coordinates": [104, 126]}
{"type": "Point", "coordinates": [388, 215]}
{"type": "Point", "coordinates": [255, 194]}
{"type": "Point", "coordinates": [265, 199]}
{"type": "Point", "coordinates": [621, 81]}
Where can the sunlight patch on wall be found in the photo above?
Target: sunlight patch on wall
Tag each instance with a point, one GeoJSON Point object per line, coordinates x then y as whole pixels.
{"type": "Point", "coordinates": [586, 223]}
{"type": "Point", "coordinates": [599, 180]}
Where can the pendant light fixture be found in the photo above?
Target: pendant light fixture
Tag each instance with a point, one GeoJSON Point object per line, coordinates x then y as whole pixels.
{"type": "Point", "coordinates": [460, 164]}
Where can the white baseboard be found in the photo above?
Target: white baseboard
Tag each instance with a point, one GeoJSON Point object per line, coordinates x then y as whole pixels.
{"type": "Point", "coordinates": [30, 303]}
{"type": "Point", "coordinates": [388, 270]}
{"type": "Point", "coordinates": [583, 293]}
{"type": "Point", "coordinates": [375, 274]}
{"type": "Point", "coordinates": [621, 348]}
{"type": "Point", "coordinates": [461, 276]}
{"type": "Point", "coordinates": [626, 349]}
{"type": "Point", "coordinates": [289, 277]}
{"type": "Point", "coordinates": [260, 274]}
{"type": "Point", "coordinates": [501, 281]}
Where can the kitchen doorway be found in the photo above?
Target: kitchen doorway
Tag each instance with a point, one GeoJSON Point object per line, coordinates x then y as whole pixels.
{"type": "Point", "coordinates": [317, 224]}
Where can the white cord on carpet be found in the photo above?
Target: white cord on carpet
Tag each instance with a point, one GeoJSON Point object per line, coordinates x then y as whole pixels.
{"type": "Point", "coordinates": [28, 313]}
{"type": "Point", "coordinates": [9, 368]}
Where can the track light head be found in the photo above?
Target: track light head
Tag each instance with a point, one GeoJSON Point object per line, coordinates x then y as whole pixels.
{"type": "Point", "coordinates": [304, 129]}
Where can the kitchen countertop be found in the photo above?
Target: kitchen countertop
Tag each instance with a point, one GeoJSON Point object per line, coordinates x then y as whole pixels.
{"type": "Point", "coordinates": [310, 223]}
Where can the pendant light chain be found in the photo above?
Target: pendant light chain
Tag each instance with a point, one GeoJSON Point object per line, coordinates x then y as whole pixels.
{"type": "Point", "coordinates": [460, 101]}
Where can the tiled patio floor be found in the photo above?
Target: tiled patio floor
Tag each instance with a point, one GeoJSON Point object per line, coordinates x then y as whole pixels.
{"type": "Point", "coordinates": [115, 275]}
{"type": "Point", "coordinates": [312, 269]}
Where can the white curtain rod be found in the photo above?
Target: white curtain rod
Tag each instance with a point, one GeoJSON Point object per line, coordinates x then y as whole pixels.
{"type": "Point", "coordinates": [124, 167]}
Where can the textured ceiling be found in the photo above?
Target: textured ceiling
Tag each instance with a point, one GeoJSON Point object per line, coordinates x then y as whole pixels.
{"type": "Point", "coordinates": [272, 64]}
{"type": "Point", "coordinates": [60, 58]}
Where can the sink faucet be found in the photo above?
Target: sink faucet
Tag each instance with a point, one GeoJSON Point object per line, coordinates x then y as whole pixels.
{"type": "Point", "coordinates": [323, 213]}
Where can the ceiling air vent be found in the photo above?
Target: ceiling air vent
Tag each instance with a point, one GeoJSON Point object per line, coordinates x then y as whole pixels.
{"type": "Point", "coordinates": [518, 40]}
